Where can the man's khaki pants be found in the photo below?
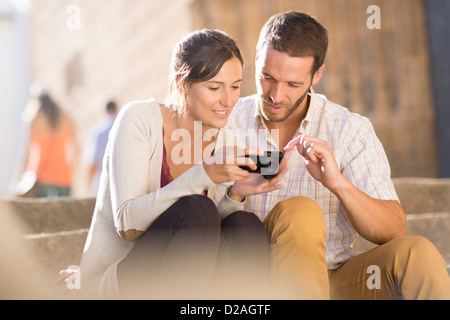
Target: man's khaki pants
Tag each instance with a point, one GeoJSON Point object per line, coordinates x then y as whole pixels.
{"type": "Point", "coordinates": [408, 267]}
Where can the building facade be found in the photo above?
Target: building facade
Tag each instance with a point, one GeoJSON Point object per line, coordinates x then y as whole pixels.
{"type": "Point", "coordinates": [378, 64]}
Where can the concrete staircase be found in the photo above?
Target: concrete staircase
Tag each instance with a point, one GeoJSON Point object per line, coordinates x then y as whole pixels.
{"type": "Point", "coordinates": [53, 232]}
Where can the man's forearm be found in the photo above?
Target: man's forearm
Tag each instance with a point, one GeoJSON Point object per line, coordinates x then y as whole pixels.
{"type": "Point", "coordinates": [378, 221]}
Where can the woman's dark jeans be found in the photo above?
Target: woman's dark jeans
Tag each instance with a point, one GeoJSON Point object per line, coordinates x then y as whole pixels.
{"type": "Point", "coordinates": [189, 252]}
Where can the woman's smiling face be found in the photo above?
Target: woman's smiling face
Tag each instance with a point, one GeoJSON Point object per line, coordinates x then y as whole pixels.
{"type": "Point", "coordinates": [213, 100]}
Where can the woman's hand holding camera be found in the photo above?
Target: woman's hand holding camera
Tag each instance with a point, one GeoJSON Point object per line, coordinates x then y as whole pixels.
{"type": "Point", "coordinates": [225, 166]}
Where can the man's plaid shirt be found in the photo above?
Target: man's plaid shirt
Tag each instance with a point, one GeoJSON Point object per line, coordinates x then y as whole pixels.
{"type": "Point", "coordinates": [358, 153]}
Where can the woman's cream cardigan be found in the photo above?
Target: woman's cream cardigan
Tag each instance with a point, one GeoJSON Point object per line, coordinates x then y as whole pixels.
{"type": "Point", "coordinates": [130, 198]}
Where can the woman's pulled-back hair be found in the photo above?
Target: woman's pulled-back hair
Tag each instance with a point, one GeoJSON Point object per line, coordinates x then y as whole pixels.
{"type": "Point", "coordinates": [198, 57]}
{"type": "Point", "coordinates": [297, 34]}
{"type": "Point", "coordinates": [50, 109]}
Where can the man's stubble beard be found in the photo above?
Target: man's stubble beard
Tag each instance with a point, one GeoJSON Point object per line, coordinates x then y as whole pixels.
{"type": "Point", "coordinates": [290, 109]}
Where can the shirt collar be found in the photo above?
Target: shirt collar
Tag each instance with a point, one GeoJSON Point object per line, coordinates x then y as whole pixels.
{"type": "Point", "coordinates": [310, 113]}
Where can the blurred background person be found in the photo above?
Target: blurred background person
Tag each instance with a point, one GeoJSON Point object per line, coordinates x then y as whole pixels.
{"type": "Point", "coordinates": [96, 145]}
{"type": "Point", "coordinates": [52, 148]}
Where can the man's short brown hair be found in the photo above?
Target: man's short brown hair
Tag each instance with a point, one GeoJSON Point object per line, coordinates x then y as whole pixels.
{"type": "Point", "coordinates": [297, 34]}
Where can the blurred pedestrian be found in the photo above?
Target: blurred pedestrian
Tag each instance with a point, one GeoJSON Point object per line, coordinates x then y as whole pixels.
{"type": "Point", "coordinates": [51, 149]}
{"type": "Point", "coordinates": [96, 146]}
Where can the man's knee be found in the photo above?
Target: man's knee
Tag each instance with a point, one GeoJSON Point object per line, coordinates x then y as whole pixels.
{"type": "Point", "coordinates": [418, 248]}
{"type": "Point", "coordinates": [299, 211]}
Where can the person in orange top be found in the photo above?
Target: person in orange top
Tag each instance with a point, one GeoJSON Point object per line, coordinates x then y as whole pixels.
{"type": "Point", "coordinates": [52, 147]}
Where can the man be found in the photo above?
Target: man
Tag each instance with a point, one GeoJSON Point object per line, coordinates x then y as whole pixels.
{"type": "Point", "coordinates": [97, 145]}
{"type": "Point", "coordinates": [338, 184]}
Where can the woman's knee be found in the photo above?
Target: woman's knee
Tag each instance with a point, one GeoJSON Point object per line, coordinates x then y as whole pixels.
{"type": "Point", "coordinates": [242, 218]}
{"type": "Point", "coordinates": [199, 209]}
{"type": "Point", "coordinates": [197, 200]}
{"type": "Point", "coordinates": [246, 224]}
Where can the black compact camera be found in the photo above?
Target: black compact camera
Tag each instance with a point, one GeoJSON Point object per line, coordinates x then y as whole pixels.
{"type": "Point", "coordinates": [267, 164]}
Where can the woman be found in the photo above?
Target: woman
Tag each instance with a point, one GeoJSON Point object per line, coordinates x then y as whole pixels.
{"type": "Point", "coordinates": [156, 232]}
{"type": "Point", "coordinates": [52, 147]}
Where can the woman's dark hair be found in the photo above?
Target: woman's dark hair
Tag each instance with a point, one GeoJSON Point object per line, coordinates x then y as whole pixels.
{"type": "Point", "coordinates": [297, 34]}
{"type": "Point", "coordinates": [198, 57]}
{"type": "Point", "coordinates": [50, 109]}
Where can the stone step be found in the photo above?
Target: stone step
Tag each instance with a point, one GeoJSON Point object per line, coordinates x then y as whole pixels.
{"type": "Point", "coordinates": [435, 227]}
{"type": "Point", "coordinates": [56, 251]}
{"type": "Point", "coordinates": [50, 215]}
{"type": "Point", "coordinates": [53, 231]}
{"type": "Point", "coordinates": [423, 195]}
{"type": "Point", "coordinates": [417, 195]}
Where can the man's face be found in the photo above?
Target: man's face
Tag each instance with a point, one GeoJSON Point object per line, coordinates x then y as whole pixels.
{"type": "Point", "coordinates": [283, 83]}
